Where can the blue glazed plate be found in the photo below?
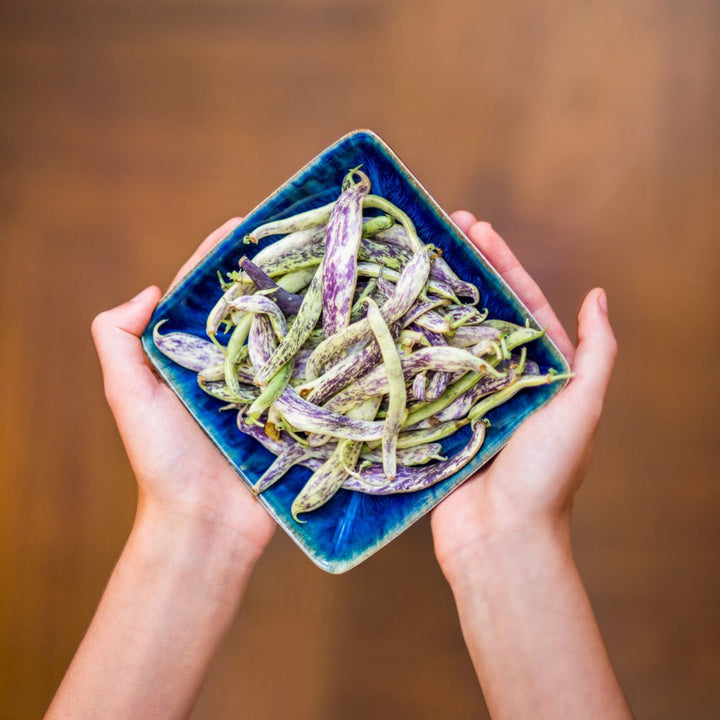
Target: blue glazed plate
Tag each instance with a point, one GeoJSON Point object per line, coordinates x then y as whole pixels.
{"type": "Point", "coordinates": [352, 526]}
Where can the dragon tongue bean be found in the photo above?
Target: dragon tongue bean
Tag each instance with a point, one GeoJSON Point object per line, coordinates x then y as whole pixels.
{"type": "Point", "coordinates": [339, 270]}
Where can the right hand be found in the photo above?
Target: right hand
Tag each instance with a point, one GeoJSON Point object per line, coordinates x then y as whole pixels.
{"type": "Point", "coordinates": [182, 477]}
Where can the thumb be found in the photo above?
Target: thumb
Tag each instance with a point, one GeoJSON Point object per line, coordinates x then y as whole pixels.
{"type": "Point", "coordinates": [116, 334]}
{"type": "Point", "coordinates": [594, 358]}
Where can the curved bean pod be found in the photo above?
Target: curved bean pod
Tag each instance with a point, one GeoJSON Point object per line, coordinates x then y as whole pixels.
{"type": "Point", "coordinates": [412, 479]}
{"type": "Point", "coordinates": [188, 351]}
{"type": "Point", "coordinates": [302, 221]}
{"type": "Point", "coordinates": [498, 398]}
{"type": "Point", "coordinates": [293, 455]}
{"type": "Point", "coordinates": [266, 306]}
{"type": "Point", "coordinates": [219, 389]}
{"type": "Point", "coordinates": [222, 307]}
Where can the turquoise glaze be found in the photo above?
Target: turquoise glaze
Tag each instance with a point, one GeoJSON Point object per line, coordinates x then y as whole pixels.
{"type": "Point", "coordinates": [352, 526]}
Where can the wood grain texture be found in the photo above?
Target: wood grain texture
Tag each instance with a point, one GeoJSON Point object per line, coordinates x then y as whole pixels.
{"type": "Point", "coordinates": [586, 132]}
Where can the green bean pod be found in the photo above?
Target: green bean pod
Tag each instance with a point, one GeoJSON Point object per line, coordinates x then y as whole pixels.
{"type": "Point", "coordinates": [305, 321]}
{"type": "Point", "coordinates": [302, 221]}
{"type": "Point", "coordinates": [396, 388]}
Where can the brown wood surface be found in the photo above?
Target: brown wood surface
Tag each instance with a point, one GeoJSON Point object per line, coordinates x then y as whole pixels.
{"type": "Point", "coordinates": [586, 132]}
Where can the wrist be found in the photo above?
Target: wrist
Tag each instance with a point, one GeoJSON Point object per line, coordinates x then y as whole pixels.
{"type": "Point", "coordinates": [193, 547]}
{"type": "Point", "coordinates": [518, 547]}
{"type": "Point", "coordinates": [230, 522]}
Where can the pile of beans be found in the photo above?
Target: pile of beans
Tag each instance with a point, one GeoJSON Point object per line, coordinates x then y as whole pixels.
{"type": "Point", "coordinates": [354, 349]}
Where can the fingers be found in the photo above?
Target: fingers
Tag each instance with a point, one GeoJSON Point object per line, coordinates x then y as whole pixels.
{"type": "Point", "coordinates": [205, 246]}
{"type": "Point", "coordinates": [594, 357]}
{"type": "Point", "coordinates": [492, 246]}
{"type": "Point", "coordinates": [464, 220]}
{"type": "Point", "coordinates": [116, 334]}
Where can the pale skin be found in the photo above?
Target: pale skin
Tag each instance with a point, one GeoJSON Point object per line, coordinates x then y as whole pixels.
{"type": "Point", "coordinates": [502, 539]}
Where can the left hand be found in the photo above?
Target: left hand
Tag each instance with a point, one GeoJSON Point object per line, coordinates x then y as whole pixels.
{"type": "Point", "coordinates": [181, 475]}
{"type": "Point", "coordinates": [527, 491]}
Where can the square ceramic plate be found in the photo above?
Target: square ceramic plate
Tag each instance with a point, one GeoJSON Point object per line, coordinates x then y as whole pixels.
{"type": "Point", "coordinates": [352, 526]}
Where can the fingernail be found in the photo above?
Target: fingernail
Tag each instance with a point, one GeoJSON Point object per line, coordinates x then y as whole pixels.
{"type": "Point", "coordinates": [140, 295]}
{"type": "Point", "coordinates": [602, 301]}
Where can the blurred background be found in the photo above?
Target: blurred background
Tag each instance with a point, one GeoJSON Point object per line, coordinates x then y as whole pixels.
{"type": "Point", "coordinates": [587, 133]}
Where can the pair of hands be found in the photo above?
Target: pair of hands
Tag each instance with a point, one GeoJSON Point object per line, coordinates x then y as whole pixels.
{"type": "Point", "coordinates": [183, 478]}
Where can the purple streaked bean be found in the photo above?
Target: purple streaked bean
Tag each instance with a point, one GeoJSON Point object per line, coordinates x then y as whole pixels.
{"type": "Point", "coordinates": [440, 271]}
{"type": "Point", "coordinates": [301, 358]}
{"type": "Point", "coordinates": [437, 385]}
{"type": "Point", "coordinates": [293, 455]}
{"type": "Point", "coordinates": [188, 351]}
{"type": "Point", "coordinates": [386, 288]}
{"type": "Point", "coordinates": [391, 256]}
{"type": "Point", "coordinates": [418, 386]}
{"type": "Point", "coordinates": [440, 379]}
{"type": "Point", "coordinates": [412, 479]}
{"type": "Point", "coordinates": [213, 373]}
{"type": "Point", "coordinates": [421, 307]}
{"type": "Point", "coordinates": [433, 321]}
{"type": "Point", "coordinates": [339, 268]}
{"type": "Point", "coordinates": [320, 488]}
{"type": "Point", "coordinates": [467, 336]}
{"type": "Point", "coordinates": [307, 417]}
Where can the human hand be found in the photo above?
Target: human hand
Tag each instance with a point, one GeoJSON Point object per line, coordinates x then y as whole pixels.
{"type": "Point", "coordinates": [530, 486]}
{"type": "Point", "coordinates": [182, 477]}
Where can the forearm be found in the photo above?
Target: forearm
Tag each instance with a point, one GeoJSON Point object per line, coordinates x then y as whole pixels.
{"type": "Point", "coordinates": [168, 603]}
{"type": "Point", "coordinates": [530, 629]}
